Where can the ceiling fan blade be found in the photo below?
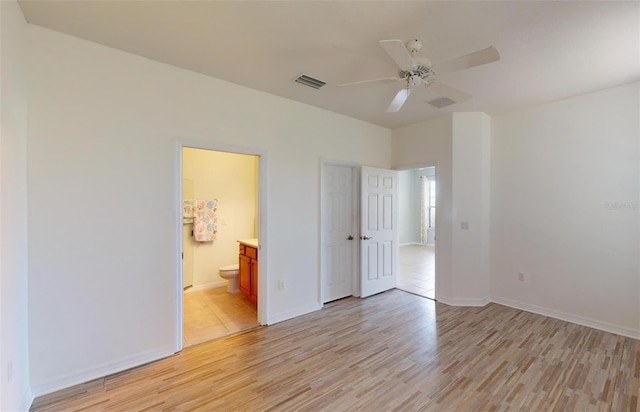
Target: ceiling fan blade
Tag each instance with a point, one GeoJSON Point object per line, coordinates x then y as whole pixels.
{"type": "Point", "coordinates": [381, 80]}
{"type": "Point", "coordinates": [399, 100]}
{"type": "Point", "coordinates": [484, 56]}
{"type": "Point", "coordinates": [398, 52]}
{"type": "Point", "coordinates": [451, 92]}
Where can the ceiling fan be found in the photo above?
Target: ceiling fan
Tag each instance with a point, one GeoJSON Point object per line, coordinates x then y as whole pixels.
{"type": "Point", "coordinates": [418, 71]}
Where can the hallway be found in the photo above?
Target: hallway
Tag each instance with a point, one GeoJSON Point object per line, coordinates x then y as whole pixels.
{"type": "Point", "coordinates": [416, 271]}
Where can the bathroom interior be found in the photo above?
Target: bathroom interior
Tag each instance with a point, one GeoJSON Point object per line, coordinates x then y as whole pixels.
{"type": "Point", "coordinates": [220, 248]}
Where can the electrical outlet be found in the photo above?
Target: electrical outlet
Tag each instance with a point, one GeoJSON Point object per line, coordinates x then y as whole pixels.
{"type": "Point", "coordinates": [521, 277]}
{"type": "Point", "coordinates": [464, 225]}
{"type": "Point", "coordinates": [282, 284]}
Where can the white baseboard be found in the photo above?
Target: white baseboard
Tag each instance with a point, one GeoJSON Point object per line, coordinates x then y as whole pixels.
{"type": "Point", "coordinates": [290, 314]}
{"type": "Point", "coordinates": [100, 371]}
{"type": "Point", "coordinates": [26, 399]}
{"type": "Point", "coordinates": [211, 285]}
{"type": "Point", "coordinates": [568, 317]}
{"type": "Point", "coordinates": [463, 301]}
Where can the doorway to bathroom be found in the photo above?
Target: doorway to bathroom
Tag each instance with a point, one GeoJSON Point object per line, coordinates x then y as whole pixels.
{"type": "Point", "coordinates": [417, 224]}
{"type": "Point", "coordinates": [220, 227]}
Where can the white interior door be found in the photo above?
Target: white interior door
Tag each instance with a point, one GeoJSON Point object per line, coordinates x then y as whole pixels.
{"type": "Point", "coordinates": [338, 232]}
{"type": "Point", "coordinates": [379, 230]}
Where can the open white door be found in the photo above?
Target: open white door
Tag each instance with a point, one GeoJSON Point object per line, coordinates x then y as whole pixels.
{"type": "Point", "coordinates": [379, 231]}
{"type": "Point", "coordinates": [338, 230]}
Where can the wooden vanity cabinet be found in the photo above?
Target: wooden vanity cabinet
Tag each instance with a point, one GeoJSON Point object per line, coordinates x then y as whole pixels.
{"type": "Point", "coordinates": [244, 275]}
{"type": "Point", "coordinates": [248, 272]}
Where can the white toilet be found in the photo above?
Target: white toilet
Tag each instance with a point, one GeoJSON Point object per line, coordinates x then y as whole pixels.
{"type": "Point", "coordinates": [230, 273]}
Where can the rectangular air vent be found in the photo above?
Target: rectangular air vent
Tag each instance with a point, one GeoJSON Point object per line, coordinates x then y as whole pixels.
{"type": "Point", "coordinates": [310, 81]}
{"type": "Point", "coordinates": [441, 102]}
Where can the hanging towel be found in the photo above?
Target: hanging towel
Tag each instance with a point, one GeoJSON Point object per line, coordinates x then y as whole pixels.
{"type": "Point", "coordinates": [205, 225]}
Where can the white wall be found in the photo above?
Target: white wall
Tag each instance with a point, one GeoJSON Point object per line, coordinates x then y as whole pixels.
{"type": "Point", "coordinates": [417, 145]}
{"type": "Point", "coordinates": [429, 171]}
{"type": "Point", "coordinates": [230, 178]}
{"type": "Point", "coordinates": [564, 208]}
{"type": "Point", "coordinates": [102, 178]}
{"type": "Point", "coordinates": [15, 393]}
{"type": "Point", "coordinates": [410, 198]}
{"type": "Point", "coordinates": [417, 195]}
{"type": "Point", "coordinates": [470, 249]}
{"type": "Point", "coordinates": [458, 144]}
{"type": "Point", "coordinates": [406, 206]}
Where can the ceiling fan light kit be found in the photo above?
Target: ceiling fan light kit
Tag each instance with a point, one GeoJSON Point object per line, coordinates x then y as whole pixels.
{"type": "Point", "coordinates": [414, 80]}
{"type": "Point", "coordinates": [418, 71]}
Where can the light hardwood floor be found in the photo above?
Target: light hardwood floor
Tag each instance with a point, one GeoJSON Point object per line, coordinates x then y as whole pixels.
{"type": "Point", "coordinates": [417, 269]}
{"type": "Point", "coordinates": [393, 351]}
{"type": "Point", "coordinates": [213, 313]}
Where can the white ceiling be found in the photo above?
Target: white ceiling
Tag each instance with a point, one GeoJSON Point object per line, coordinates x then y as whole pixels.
{"type": "Point", "coordinates": [549, 50]}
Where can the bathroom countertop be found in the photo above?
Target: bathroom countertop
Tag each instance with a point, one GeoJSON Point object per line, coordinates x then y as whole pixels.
{"type": "Point", "coordinates": [249, 242]}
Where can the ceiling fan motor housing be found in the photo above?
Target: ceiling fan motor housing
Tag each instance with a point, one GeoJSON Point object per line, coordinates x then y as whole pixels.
{"type": "Point", "coordinates": [414, 46]}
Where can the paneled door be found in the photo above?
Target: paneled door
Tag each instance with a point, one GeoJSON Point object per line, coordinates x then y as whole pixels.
{"type": "Point", "coordinates": [338, 226]}
{"type": "Point", "coordinates": [379, 231]}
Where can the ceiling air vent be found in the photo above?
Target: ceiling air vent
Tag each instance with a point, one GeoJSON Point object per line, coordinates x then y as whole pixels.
{"type": "Point", "coordinates": [441, 102]}
{"type": "Point", "coordinates": [310, 81]}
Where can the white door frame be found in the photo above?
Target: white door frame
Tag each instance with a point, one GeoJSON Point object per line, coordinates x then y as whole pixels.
{"type": "Point", "coordinates": [355, 205]}
{"type": "Point", "coordinates": [263, 283]}
{"type": "Point", "coordinates": [438, 215]}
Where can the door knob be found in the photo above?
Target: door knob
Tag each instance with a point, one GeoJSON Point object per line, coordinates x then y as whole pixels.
{"type": "Point", "coordinates": [365, 237]}
{"type": "Point", "coordinates": [350, 237]}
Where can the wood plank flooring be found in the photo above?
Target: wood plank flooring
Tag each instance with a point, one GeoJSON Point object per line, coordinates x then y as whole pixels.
{"type": "Point", "coordinates": [393, 351]}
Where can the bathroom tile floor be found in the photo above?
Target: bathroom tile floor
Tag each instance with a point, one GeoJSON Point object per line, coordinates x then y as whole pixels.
{"type": "Point", "coordinates": [416, 270]}
{"type": "Point", "coordinates": [213, 313]}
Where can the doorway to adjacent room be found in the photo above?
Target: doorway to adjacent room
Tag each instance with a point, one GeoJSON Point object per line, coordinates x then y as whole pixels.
{"type": "Point", "coordinates": [417, 223]}
{"type": "Point", "coordinates": [220, 215]}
